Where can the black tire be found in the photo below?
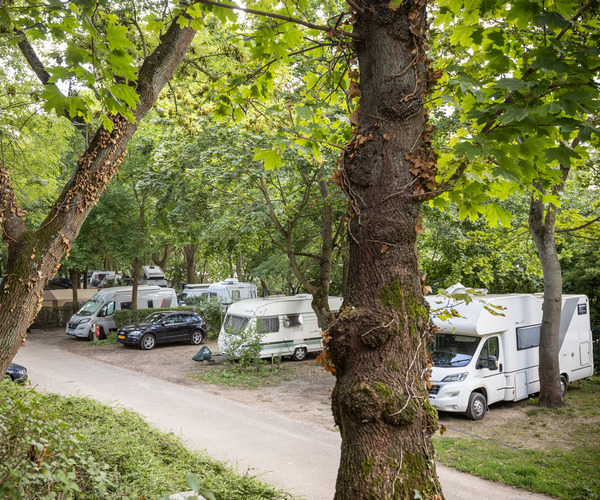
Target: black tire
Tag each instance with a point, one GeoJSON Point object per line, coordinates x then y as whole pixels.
{"type": "Point", "coordinates": [477, 406]}
{"type": "Point", "coordinates": [563, 385]}
{"type": "Point", "coordinates": [92, 335]}
{"type": "Point", "coordinates": [299, 354]}
{"type": "Point", "coordinates": [197, 337]}
{"type": "Point", "coordinates": [148, 342]}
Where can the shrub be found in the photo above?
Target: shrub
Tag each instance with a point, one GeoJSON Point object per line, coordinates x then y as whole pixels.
{"type": "Point", "coordinates": [211, 310]}
{"type": "Point", "coordinates": [40, 456]}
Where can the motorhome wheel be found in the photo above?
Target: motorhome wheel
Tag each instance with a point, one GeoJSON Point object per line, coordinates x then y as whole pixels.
{"type": "Point", "coordinates": [197, 337]}
{"type": "Point", "coordinates": [148, 342]}
{"type": "Point", "coordinates": [299, 354]}
{"type": "Point", "coordinates": [91, 335]}
{"type": "Point", "coordinates": [477, 406]}
{"type": "Point", "coordinates": [563, 385]}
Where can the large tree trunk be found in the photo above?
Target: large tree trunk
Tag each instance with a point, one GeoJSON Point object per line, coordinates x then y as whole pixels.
{"type": "Point", "coordinates": [542, 227]}
{"type": "Point", "coordinates": [378, 344]}
{"type": "Point", "coordinates": [34, 256]}
{"type": "Point", "coordinates": [190, 261]}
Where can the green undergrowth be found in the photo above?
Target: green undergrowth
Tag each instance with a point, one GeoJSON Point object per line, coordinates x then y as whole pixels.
{"type": "Point", "coordinates": [111, 339]}
{"type": "Point", "coordinates": [71, 447]}
{"type": "Point", "coordinates": [246, 377]}
{"type": "Point", "coordinates": [555, 452]}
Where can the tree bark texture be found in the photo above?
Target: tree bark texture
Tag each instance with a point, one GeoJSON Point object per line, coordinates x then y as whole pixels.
{"type": "Point", "coordinates": [162, 261]}
{"type": "Point", "coordinates": [189, 252]}
{"type": "Point", "coordinates": [542, 226]}
{"type": "Point", "coordinates": [377, 344]}
{"type": "Point", "coordinates": [34, 256]}
{"type": "Point", "coordinates": [75, 277]}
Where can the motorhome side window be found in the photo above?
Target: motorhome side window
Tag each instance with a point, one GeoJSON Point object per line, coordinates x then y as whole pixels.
{"type": "Point", "coordinates": [292, 320]}
{"type": "Point", "coordinates": [150, 304]}
{"type": "Point", "coordinates": [125, 305]}
{"type": "Point", "coordinates": [235, 294]}
{"type": "Point", "coordinates": [528, 337]}
{"type": "Point", "coordinates": [267, 325]}
{"type": "Point", "coordinates": [490, 348]}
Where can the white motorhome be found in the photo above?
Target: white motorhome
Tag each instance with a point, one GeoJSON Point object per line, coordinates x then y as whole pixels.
{"type": "Point", "coordinates": [487, 350]}
{"type": "Point", "coordinates": [99, 310]}
{"type": "Point", "coordinates": [193, 290]}
{"type": "Point", "coordinates": [287, 325]}
{"type": "Point", "coordinates": [153, 275]}
{"type": "Point", "coordinates": [231, 290]}
{"type": "Point", "coordinates": [100, 277]}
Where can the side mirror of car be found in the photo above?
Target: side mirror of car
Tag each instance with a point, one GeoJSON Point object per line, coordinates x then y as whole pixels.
{"type": "Point", "coordinates": [492, 362]}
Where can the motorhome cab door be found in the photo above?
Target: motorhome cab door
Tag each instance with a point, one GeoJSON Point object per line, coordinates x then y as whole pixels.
{"type": "Point", "coordinates": [490, 368]}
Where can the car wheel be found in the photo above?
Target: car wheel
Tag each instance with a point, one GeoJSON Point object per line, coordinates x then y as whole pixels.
{"type": "Point", "coordinates": [299, 354]}
{"type": "Point", "coordinates": [563, 385]}
{"type": "Point", "coordinates": [477, 406]}
{"type": "Point", "coordinates": [197, 337]}
{"type": "Point", "coordinates": [92, 335]}
{"type": "Point", "coordinates": [148, 342]}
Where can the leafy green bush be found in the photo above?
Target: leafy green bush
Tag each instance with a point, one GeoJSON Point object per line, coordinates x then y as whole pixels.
{"type": "Point", "coordinates": [94, 451]}
{"type": "Point", "coordinates": [41, 456]}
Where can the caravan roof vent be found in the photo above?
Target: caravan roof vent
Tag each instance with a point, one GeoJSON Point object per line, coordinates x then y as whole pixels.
{"type": "Point", "coordinates": [230, 281]}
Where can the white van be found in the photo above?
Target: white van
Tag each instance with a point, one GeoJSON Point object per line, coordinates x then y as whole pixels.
{"type": "Point", "coordinates": [99, 310]}
{"type": "Point", "coordinates": [487, 350]}
{"type": "Point", "coordinates": [231, 290]}
{"type": "Point", "coordinates": [288, 325]}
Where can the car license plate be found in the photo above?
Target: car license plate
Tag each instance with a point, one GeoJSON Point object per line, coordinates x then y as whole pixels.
{"type": "Point", "coordinates": [122, 337]}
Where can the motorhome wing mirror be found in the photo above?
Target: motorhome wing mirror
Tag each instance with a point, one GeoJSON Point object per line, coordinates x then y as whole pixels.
{"type": "Point", "coordinates": [102, 312]}
{"type": "Point", "coordinates": [492, 362]}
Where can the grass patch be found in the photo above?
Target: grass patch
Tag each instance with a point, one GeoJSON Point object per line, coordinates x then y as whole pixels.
{"type": "Point", "coordinates": [550, 451]}
{"type": "Point", "coordinates": [246, 377]}
{"type": "Point", "coordinates": [71, 447]}
{"type": "Point", "coordinates": [111, 339]}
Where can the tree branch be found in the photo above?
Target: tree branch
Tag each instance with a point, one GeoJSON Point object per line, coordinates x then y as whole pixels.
{"type": "Point", "coordinates": [573, 229]}
{"type": "Point", "coordinates": [11, 215]}
{"type": "Point", "coordinates": [327, 29]}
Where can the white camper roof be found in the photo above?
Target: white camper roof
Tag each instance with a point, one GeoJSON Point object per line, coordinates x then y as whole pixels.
{"type": "Point", "coordinates": [196, 286]}
{"type": "Point", "coordinates": [482, 316]}
{"type": "Point", "coordinates": [278, 304]}
{"type": "Point", "coordinates": [153, 272]}
{"type": "Point", "coordinates": [123, 290]}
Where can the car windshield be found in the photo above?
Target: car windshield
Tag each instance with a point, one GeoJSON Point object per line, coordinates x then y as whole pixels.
{"type": "Point", "coordinates": [153, 318]}
{"type": "Point", "coordinates": [453, 350]}
{"type": "Point", "coordinates": [235, 324]}
{"type": "Point", "coordinates": [90, 307]}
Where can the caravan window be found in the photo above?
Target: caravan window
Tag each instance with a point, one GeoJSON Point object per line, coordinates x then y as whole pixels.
{"type": "Point", "coordinates": [292, 320]}
{"type": "Point", "coordinates": [235, 324]}
{"type": "Point", "coordinates": [267, 325]}
{"type": "Point", "coordinates": [528, 337]}
{"type": "Point", "coordinates": [235, 294]}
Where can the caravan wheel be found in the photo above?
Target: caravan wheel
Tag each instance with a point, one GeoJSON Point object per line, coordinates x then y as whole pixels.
{"type": "Point", "coordinates": [477, 406]}
{"type": "Point", "coordinates": [299, 354]}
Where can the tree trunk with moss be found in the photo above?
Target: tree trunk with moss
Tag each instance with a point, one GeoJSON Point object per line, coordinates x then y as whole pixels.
{"type": "Point", "coordinates": [34, 255]}
{"type": "Point", "coordinates": [542, 226]}
{"type": "Point", "coordinates": [378, 344]}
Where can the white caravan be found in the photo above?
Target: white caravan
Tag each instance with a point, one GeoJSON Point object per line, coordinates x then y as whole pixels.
{"type": "Point", "coordinates": [287, 325]}
{"type": "Point", "coordinates": [481, 357]}
{"type": "Point", "coordinates": [99, 310]}
{"type": "Point", "coordinates": [231, 290]}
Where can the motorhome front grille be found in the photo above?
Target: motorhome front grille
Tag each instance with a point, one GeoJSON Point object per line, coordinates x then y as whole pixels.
{"type": "Point", "coordinates": [434, 389]}
{"type": "Point", "coordinates": [72, 325]}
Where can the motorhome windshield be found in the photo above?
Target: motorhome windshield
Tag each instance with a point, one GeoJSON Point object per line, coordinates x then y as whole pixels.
{"type": "Point", "coordinates": [90, 307]}
{"type": "Point", "coordinates": [234, 324]}
{"type": "Point", "coordinates": [453, 350]}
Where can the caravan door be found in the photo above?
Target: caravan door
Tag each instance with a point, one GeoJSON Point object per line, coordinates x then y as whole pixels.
{"type": "Point", "coordinates": [490, 367]}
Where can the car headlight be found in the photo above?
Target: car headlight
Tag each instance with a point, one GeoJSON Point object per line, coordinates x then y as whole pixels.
{"type": "Point", "coordinates": [87, 320]}
{"type": "Point", "coordinates": [456, 377]}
